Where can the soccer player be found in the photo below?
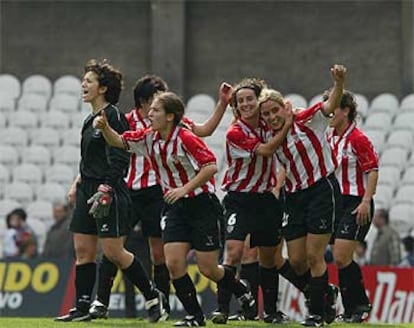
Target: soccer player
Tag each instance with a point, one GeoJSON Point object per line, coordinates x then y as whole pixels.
{"type": "Point", "coordinates": [313, 197]}
{"type": "Point", "coordinates": [357, 174]}
{"type": "Point", "coordinates": [185, 167]}
{"type": "Point", "coordinates": [101, 200]}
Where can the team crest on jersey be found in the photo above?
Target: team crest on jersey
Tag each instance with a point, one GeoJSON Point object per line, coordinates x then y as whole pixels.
{"type": "Point", "coordinates": [175, 159]}
{"type": "Point", "coordinates": [323, 224]}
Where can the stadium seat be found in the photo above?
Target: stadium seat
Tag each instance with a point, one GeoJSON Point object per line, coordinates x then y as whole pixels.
{"type": "Point", "coordinates": [403, 139]}
{"type": "Point", "coordinates": [401, 218]}
{"type": "Point", "coordinates": [380, 121]}
{"type": "Point", "coordinates": [68, 155]}
{"type": "Point", "coordinates": [362, 104]}
{"type": "Point", "coordinates": [404, 121]}
{"type": "Point", "coordinates": [408, 177]}
{"type": "Point", "coordinates": [404, 195]}
{"type": "Point", "coordinates": [7, 103]}
{"type": "Point", "coordinates": [40, 229]}
{"type": "Point", "coordinates": [38, 155]}
{"type": "Point", "coordinates": [201, 103]}
{"type": "Point", "coordinates": [77, 119]}
{"type": "Point", "coordinates": [394, 157]}
{"type": "Point", "coordinates": [51, 192]}
{"type": "Point", "coordinates": [10, 85]}
{"type": "Point", "coordinates": [410, 162]}
{"type": "Point", "coordinates": [67, 84]}
{"type": "Point", "coordinates": [383, 196]}
{"type": "Point", "coordinates": [38, 84]}
{"type": "Point", "coordinates": [20, 192]}
{"type": "Point", "coordinates": [4, 179]}
{"type": "Point", "coordinates": [60, 173]}
{"type": "Point", "coordinates": [315, 99]}
{"type": "Point", "coordinates": [3, 120]}
{"type": "Point", "coordinates": [389, 175]}
{"type": "Point", "coordinates": [9, 156]}
{"type": "Point", "coordinates": [377, 138]}
{"type": "Point", "coordinates": [32, 102]}
{"type": "Point", "coordinates": [47, 137]}
{"type": "Point", "coordinates": [71, 137]}
{"type": "Point", "coordinates": [64, 103]}
{"type": "Point", "coordinates": [41, 209]}
{"type": "Point", "coordinates": [55, 119]}
{"type": "Point", "coordinates": [297, 100]}
{"type": "Point", "coordinates": [13, 136]}
{"type": "Point", "coordinates": [384, 102]}
{"type": "Point", "coordinates": [23, 119]}
{"type": "Point", "coordinates": [407, 103]}
{"type": "Point", "coordinates": [6, 206]}
{"type": "Point", "coordinates": [29, 173]}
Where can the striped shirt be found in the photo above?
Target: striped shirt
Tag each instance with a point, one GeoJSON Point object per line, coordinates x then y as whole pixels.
{"type": "Point", "coordinates": [176, 160]}
{"type": "Point", "coordinates": [140, 174]}
{"type": "Point", "coordinates": [247, 171]}
{"type": "Point", "coordinates": [305, 153]}
{"type": "Point", "coordinates": [356, 157]}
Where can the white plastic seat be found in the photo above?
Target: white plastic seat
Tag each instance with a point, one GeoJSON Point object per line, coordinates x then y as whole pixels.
{"type": "Point", "coordinates": [315, 99]}
{"type": "Point", "coordinates": [404, 195]}
{"type": "Point", "coordinates": [67, 84]}
{"type": "Point", "coordinates": [410, 162]}
{"type": "Point", "coordinates": [20, 192]}
{"type": "Point", "coordinates": [23, 119]}
{"type": "Point", "coordinates": [401, 218]}
{"type": "Point", "coordinates": [201, 103]}
{"type": "Point", "coordinates": [404, 121]}
{"type": "Point", "coordinates": [383, 196]}
{"type": "Point", "coordinates": [64, 103]}
{"type": "Point", "coordinates": [32, 102]}
{"type": "Point", "coordinates": [7, 205]}
{"type": "Point", "coordinates": [38, 155]}
{"type": "Point", "coordinates": [4, 179]}
{"type": "Point", "coordinates": [297, 100]}
{"type": "Point", "coordinates": [7, 103]}
{"type": "Point", "coordinates": [362, 104]}
{"type": "Point", "coordinates": [55, 119]}
{"type": "Point", "coordinates": [77, 119]}
{"type": "Point", "coordinates": [51, 192]}
{"type": "Point", "coordinates": [407, 103]}
{"type": "Point", "coordinates": [41, 209]}
{"type": "Point", "coordinates": [47, 137]}
{"type": "Point", "coordinates": [389, 175]}
{"type": "Point", "coordinates": [29, 173]}
{"type": "Point", "coordinates": [39, 84]}
{"type": "Point", "coordinates": [60, 173]}
{"type": "Point", "coordinates": [377, 137]}
{"type": "Point", "coordinates": [3, 120]}
{"type": "Point", "coordinates": [71, 137]}
{"type": "Point", "coordinates": [68, 155]}
{"type": "Point", "coordinates": [9, 156]}
{"type": "Point", "coordinates": [394, 157]}
{"type": "Point", "coordinates": [403, 139]}
{"type": "Point", "coordinates": [10, 85]}
{"type": "Point", "coordinates": [379, 120]}
{"type": "Point", "coordinates": [384, 102]}
{"type": "Point", "coordinates": [408, 176]}
{"type": "Point", "coordinates": [13, 136]}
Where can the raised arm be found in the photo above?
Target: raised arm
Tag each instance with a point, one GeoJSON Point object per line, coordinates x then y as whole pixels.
{"type": "Point", "coordinates": [338, 73]}
{"type": "Point", "coordinates": [209, 126]}
{"type": "Point", "coordinates": [111, 136]}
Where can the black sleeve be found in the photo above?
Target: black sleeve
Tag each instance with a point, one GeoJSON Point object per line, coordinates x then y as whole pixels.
{"type": "Point", "coordinates": [118, 159]}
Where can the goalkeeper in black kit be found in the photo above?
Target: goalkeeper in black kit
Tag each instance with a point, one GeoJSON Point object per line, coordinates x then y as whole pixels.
{"type": "Point", "coordinates": [101, 200]}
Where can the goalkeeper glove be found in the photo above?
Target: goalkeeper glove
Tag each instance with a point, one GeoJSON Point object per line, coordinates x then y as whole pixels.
{"type": "Point", "coordinates": [101, 202]}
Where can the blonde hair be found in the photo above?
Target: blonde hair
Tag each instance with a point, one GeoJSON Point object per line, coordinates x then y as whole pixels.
{"type": "Point", "coordinates": [270, 94]}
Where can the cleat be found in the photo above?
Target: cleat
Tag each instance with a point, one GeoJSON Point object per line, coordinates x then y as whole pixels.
{"type": "Point", "coordinates": [237, 317]}
{"type": "Point", "coordinates": [191, 321]}
{"type": "Point", "coordinates": [98, 310]}
{"type": "Point", "coordinates": [313, 321]}
{"type": "Point", "coordinates": [157, 308]}
{"type": "Point", "coordinates": [278, 317]}
{"type": "Point", "coordinates": [330, 303]}
{"type": "Point", "coordinates": [247, 303]}
{"type": "Point", "coordinates": [360, 314]}
{"type": "Point", "coordinates": [219, 317]}
{"type": "Point", "coordinates": [74, 315]}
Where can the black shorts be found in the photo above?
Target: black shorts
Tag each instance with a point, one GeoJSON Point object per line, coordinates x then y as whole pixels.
{"type": "Point", "coordinates": [313, 210]}
{"type": "Point", "coordinates": [346, 226]}
{"type": "Point", "coordinates": [146, 207]}
{"type": "Point", "coordinates": [193, 220]}
{"type": "Point", "coordinates": [117, 222]}
{"type": "Point", "coordinates": [257, 214]}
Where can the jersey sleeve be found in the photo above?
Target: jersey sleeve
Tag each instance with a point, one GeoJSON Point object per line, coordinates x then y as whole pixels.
{"type": "Point", "coordinates": [240, 144]}
{"type": "Point", "coordinates": [135, 141]}
{"type": "Point", "coordinates": [365, 152]}
{"type": "Point", "coordinates": [196, 149]}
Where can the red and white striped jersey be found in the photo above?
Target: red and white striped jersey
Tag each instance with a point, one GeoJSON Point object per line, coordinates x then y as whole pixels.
{"type": "Point", "coordinates": [140, 174]}
{"type": "Point", "coordinates": [356, 157]}
{"type": "Point", "coordinates": [176, 160]}
{"type": "Point", "coordinates": [306, 153]}
{"type": "Point", "coordinates": [247, 171]}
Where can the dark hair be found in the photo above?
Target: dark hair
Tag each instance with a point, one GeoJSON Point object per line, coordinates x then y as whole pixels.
{"type": "Point", "coordinates": [108, 77]}
{"type": "Point", "coordinates": [383, 213]}
{"type": "Point", "coordinates": [172, 104]}
{"type": "Point", "coordinates": [408, 243]}
{"type": "Point", "coordinates": [347, 101]}
{"type": "Point", "coordinates": [255, 84]}
{"type": "Point", "coordinates": [146, 87]}
{"type": "Point", "coordinates": [21, 213]}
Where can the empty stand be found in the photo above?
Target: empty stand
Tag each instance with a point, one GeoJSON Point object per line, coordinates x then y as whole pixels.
{"type": "Point", "coordinates": [10, 85]}
{"type": "Point", "coordinates": [33, 102]}
{"type": "Point", "coordinates": [51, 192]}
{"type": "Point", "coordinates": [297, 100]}
{"type": "Point", "coordinates": [384, 102]}
{"type": "Point", "coordinates": [64, 102]}
{"type": "Point", "coordinates": [20, 192]}
{"type": "Point", "coordinates": [38, 84]}
{"type": "Point", "coordinates": [67, 84]}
